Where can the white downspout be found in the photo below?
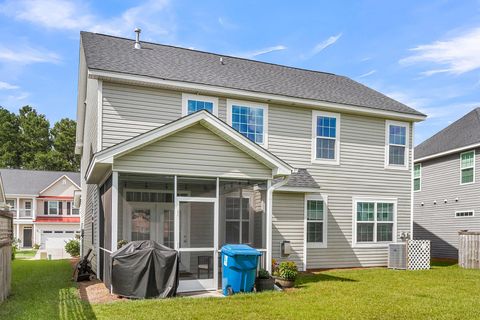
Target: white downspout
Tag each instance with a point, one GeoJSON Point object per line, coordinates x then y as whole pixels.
{"type": "Point", "coordinates": [270, 189]}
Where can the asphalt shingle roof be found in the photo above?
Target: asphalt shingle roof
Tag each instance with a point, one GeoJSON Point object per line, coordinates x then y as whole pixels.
{"type": "Point", "coordinates": [108, 53]}
{"type": "Point", "coordinates": [463, 132]}
{"type": "Point", "coordinates": [300, 179]}
{"type": "Point", "coordinates": [18, 181]}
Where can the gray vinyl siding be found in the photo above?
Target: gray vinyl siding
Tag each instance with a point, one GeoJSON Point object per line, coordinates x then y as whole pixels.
{"type": "Point", "coordinates": [361, 173]}
{"type": "Point", "coordinates": [440, 180]}
{"type": "Point", "coordinates": [131, 110]}
{"type": "Point", "coordinates": [193, 151]}
{"type": "Point", "coordinates": [88, 207]}
{"type": "Point", "coordinates": [288, 223]}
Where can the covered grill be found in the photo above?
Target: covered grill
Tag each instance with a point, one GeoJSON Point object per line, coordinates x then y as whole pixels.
{"type": "Point", "coordinates": [145, 269]}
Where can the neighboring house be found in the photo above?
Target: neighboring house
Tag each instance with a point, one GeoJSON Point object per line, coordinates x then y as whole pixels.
{"type": "Point", "coordinates": [42, 206]}
{"type": "Point", "coordinates": [447, 190]}
{"type": "Point", "coordinates": [195, 150]}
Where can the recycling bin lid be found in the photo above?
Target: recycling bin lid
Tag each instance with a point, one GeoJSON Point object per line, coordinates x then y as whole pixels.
{"type": "Point", "coordinates": [240, 249]}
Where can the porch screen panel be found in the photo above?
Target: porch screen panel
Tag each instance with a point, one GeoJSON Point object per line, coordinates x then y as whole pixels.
{"type": "Point", "coordinates": [106, 228]}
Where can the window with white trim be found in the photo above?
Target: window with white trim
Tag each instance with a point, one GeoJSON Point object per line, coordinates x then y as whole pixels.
{"type": "Point", "coordinates": [375, 221]}
{"type": "Point", "coordinates": [417, 173]}
{"type": "Point", "coordinates": [248, 118]}
{"type": "Point", "coordinates": [326, 131]}
{"type": "Point", "coordinates": [316, 217]}
{"type": "Point", "coordinates": [11, 203]}
{"type": "Point", "coordinates": [192, 103]}
{"type": "Point", "coordinates": [397, 144]}
{"type": "Point", "coordinates": [467, 213]}
{"type": "Point", "coordinates": [53, 208]}
{"type": "Point", "coordinates": [467, 167]}
{"type": "Point", "coordinates": [237, 220]}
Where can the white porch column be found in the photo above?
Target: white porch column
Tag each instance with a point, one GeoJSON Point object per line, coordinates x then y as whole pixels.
{"type": "Point", "coordinates": [34, 234]}
{"type": "Point", "coordinates": [18, 232]}
{"type": "Point", "coordinates": [114, 211]}
{"type": "Point", "coordinates": [269, 199]}
{"type": "Point", "coordinates": [18, 208]}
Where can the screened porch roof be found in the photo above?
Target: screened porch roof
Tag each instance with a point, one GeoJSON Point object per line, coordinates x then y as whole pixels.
{"type": "Point", "coordinates": [102, 161]}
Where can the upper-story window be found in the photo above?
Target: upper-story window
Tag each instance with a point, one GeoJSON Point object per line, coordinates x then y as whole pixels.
{"type": "Point", "coordinates": [397, 144]}
{"type": "Point", "coordinates": [467, 167]}
{"type": "Point", "coordinates": [11, 203]}
{"type": "Point", "coordinates": [192, 103]}
{"type": "Point", "coordinates": [417, 174]}
{"type": "Point", "coordinates": [53, 208]}
{"type": "Point", "coordinates": [326, 137]}
{"type": "Point", "coordinates": [249, 118]}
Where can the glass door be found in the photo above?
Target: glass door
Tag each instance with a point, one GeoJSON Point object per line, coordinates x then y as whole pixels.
{"type": "Point", "coordinates": [196, 240]}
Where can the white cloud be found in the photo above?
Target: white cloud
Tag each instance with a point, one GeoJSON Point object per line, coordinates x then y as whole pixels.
{"type": "Point", "coordinates": [75, 15]}
{"type": "Point", "coordinates": [259, 52]}
{"type": "Point", "coordinates": [24, 54]}
{"type": "Point", "coordinates": [369, 73]}
{"type": "Point", "coordinates": [7, 86]}
{"type": "Point", "coordinates": [457, 55]}
{"type": "Point", "coordinates": [322, 46]}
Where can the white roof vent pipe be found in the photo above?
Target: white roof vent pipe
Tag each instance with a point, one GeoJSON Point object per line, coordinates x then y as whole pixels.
{"type": "Point", "coordinates": [137, 38]}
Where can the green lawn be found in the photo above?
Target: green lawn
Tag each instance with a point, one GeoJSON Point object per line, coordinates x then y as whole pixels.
{"type": "Point", "coordinates": [42, 290]}
{"type": "Point", "coordinates": [25, 254]}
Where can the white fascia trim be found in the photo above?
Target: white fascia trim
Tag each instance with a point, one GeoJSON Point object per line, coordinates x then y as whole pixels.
{"type": "Point", "coordinates": [278, 166]}
{"type": "Point", "coordinates": [100, 114]}
{"type": "Point", "coordinates": [245, 94]}
{"type": "Point", "coordinates": [57, 180]}
{"type": "Point", "coordinates": [250, 104]}
{"type": "Point", "coordinates": [408, 145]}
{"type": "Point", "coordinates": [444, 153]}
{"type": "Point", "coordinates": [189, 96]}
{"type": "Point", "coordinates": [315, 115]}
{"type": "Point", "coordinates": [15, 195]}
{"type": "Point", "coordinates": [298, 189]}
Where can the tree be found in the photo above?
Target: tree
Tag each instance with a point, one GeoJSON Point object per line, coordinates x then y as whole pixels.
{"type": "Point", "coordinates": [63, 135]}
{"type": "Point", "coordinates": [9, 144]}
{"type": "Point", "coordinates": [34, 137]}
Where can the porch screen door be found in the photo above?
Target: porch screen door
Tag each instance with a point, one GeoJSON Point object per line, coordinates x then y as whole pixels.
{"type": "Point", "coordinates": [196, 237]}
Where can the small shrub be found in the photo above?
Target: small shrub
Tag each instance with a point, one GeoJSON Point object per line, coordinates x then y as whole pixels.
{"type": "Point", "coordinates": [36, 246]}
{"type": "Point", "coordinates": [263, 274]}
{"type": "Point", "coordinates": [73, 247]}
{"type": "Point", "coordinates": [288, 270]}
{"type": "Point", "coordinates": [121, 243]}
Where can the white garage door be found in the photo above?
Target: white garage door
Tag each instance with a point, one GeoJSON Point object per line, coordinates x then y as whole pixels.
{"type": "Point", "coordinates": [54, 243]}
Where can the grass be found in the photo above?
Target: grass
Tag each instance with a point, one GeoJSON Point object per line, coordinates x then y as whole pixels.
{"type": "Point", "coordinates": [25, 254]}
{"type": "Point", "coordinates": [43, 290]}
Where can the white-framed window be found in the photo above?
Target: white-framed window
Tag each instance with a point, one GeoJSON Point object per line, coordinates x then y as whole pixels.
{"type": "Point", "coordinates": [250, 119]}
{"type": "Point", "coordinates": [396, 144]}
{"type": "Point", "coordinates": [325, 137]}
{"type": "Point", "coordinates": [237, 220]}
{"type": "Point", "coordinates": [28, 205]}
{"type": "Point", "coordinates": [11, 203]}
{"type": "Point", "coordinates": [464, 213]}
{"type": "Point", "coordinates": [53, 208]}
{"type": "Point", "coordinates": [417, 176]}
{"type": "Point", "coordinates": [374, 221]}
{"type": "Point", "coordinates": [467, 167]}
{"type": "Point", "coordinates": [192, 103]}
{"type": "Point", "coordinates": [316, 218]}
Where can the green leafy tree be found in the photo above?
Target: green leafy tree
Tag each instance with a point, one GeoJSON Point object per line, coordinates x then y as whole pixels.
{"type": "Point", "coordinates": [34, 137]}
{"type": "Point", "coordinates": [63, 135]}
{"type": "Point", "coordinates": [9, 144]}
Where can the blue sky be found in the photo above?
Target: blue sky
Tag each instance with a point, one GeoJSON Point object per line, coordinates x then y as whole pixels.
{"type": "Point", "coordinates": [424, 54]}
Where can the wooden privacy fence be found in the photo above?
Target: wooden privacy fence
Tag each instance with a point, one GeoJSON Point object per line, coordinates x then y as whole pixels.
{"type": "Point", "coordinates": [469, 249]}
{"type": "Point", "coordinates": [6, 236]}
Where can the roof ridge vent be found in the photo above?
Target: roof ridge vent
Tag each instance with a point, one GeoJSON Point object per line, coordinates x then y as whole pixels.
{"type": "Point", "coordinates": [137, 38]}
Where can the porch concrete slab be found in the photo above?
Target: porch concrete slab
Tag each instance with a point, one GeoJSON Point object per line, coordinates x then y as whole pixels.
{"type": "Point", "coordinates": [202, 294]}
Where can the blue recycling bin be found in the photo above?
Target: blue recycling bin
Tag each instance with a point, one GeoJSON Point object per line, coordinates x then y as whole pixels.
{"type": "Point", "coordinates": [239, 268]}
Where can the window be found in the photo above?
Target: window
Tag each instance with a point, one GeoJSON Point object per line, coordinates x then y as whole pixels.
{"type": "Point", "coordinates": [417, 172]}
{"type": "Point", "coordinates": [467, 167]}
{"type": "Point", "coordinates": [192, 103]}
{"type": "Point", "coordinates": [250, 119]}
{"type": "Point", "coordinates": [469, 213]}
{"type": "Point", "coordinates": [316, 218]}
{"type": "Point", "coordinates": [11, 204]}
{"type": "Point", "coordinates": [397, 145]}
{"type": "Point", "coordinates": [52, 207]}
{"type": "Point", "coordinates": [28, 205]}
{"type": "Point", "coordinates": [237, 220]}
{"type": "Point", "coordinates": [326, 132]}
{"type": "Point", "coordinates": [375, 221]}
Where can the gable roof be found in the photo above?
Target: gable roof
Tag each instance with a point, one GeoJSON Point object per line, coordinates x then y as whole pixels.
{"type": "Point", "coordinates": [300, 180]}
{"type": "Point", "coordinates": [114, 54]}
{"type": "Point", "coordinates": [32, 182]}
{"type": "Point", "coordinates": [102, 160]}
{"type": "Point", "coordinates": [465, 132]}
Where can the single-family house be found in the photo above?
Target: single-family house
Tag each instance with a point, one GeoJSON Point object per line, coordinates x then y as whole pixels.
{"type": "Point", "coordinates": [446, 189]}
{"type": "Point", "coordinates": [42, 206]}
{"type": "Point", "coordinates": [195, 149]}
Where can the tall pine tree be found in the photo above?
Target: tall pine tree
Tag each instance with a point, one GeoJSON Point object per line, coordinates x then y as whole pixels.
{"type": "Point", "coordinates": [9, 144]}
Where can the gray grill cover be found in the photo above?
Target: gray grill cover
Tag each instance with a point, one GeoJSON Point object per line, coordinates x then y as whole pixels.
{"type": "Point", "coordinates": [145, 269]}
